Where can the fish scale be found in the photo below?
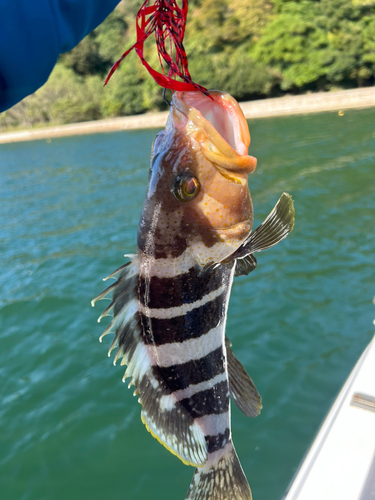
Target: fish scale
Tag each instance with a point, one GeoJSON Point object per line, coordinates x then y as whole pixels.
{"type": "Point", "coordinates": [206, 357]}
{"type": "Point", "coordinates": [170, 302]}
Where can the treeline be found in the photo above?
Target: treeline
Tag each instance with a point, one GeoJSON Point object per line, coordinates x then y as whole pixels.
{"type": "Point", "coordinates": [249, 48]}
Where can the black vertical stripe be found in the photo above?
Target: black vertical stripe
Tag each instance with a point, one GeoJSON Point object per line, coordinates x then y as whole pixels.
{"type": "Point", "coordinates": [156, 292]}
{"type": "Point", "coordinates": [211, 401]}
{"type": "Point", "coordinates": [191, 325]}
{"type": "Point", "coordinates": [174, 247]}
{"type": "Point", "coordinates": [215, 443]}
{"type": "Point", "coordinates": [193, 372]}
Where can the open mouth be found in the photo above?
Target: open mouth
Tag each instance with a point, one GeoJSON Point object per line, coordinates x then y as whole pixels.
{"type": "Point", "coordinates": [219, 124]}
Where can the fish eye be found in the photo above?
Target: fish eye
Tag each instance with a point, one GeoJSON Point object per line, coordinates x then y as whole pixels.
{"type": "Point", "coordinates": [185, 187]}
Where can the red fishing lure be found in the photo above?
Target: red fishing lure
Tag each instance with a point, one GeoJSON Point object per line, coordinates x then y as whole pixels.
{"type": "Point", "coordinates": [167, 20]}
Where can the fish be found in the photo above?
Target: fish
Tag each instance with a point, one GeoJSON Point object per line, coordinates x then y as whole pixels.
{"type": "Point", "coordinates": [170, 299]}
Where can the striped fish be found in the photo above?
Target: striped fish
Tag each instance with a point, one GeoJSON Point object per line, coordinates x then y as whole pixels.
{"type": "Point", "coordinates": [170, 300]}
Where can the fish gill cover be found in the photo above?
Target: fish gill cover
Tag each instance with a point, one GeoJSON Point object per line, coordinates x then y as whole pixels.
{"type": "Point", "coordinates": [167, 20]}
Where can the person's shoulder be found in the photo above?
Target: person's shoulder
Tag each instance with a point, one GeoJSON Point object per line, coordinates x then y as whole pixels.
{"type": "Point", "coordinates": [76, 18]}
{"type": "Point", "coordinates": [32, 38]}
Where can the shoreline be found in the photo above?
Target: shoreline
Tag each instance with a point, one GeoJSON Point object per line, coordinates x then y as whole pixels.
{"type": "Point", "coordinates": [265, 108]}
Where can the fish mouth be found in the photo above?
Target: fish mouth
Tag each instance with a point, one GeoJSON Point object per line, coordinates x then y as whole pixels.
{"type": "Point", "coordinates": [218, 124]}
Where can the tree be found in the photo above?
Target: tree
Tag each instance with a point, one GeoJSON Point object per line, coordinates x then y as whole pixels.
{"type": "Point", "coordinates": [318, 44]}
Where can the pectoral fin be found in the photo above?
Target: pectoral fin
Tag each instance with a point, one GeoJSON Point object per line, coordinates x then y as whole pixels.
{"type": "Point", "coordinates": [245, 266]}
{"type": "Point", "coordinates": [274, 229]}
{"type": "Point", "coordinates": [241, 387]}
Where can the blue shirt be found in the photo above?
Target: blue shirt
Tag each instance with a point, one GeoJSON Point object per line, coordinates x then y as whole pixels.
{"type": "Point", "coordinates": [33, 33]}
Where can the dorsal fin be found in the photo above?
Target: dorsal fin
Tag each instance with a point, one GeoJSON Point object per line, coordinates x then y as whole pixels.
{"type": "Point", "coordinates": [241, 387]}
{"type": "Point", "coordinates": [162, 414]}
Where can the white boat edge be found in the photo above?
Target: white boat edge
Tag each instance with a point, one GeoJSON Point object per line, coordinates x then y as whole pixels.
{"type": "Point", "coordinates": [340, 464]}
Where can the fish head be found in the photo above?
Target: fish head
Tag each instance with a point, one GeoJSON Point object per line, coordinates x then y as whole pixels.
{"type": "Point", "coordinates": [198, 198]}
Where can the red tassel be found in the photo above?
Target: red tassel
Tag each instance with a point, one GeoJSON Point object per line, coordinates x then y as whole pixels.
{"type": "Point", "coordinates": [167, 20]}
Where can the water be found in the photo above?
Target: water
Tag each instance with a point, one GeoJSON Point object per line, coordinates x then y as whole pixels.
{"type": "Point", "coordinates": [69, 428]}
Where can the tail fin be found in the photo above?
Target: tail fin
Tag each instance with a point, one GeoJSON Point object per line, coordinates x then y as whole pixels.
{"type": "Point", "coordinates": [221, 478]}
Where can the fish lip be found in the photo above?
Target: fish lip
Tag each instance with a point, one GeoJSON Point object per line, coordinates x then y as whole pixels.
{"type": "Point", "coordinates": [218, 124]}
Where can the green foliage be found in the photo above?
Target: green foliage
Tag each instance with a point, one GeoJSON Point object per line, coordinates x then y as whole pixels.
{"type": "Point", "coordinates": [124, 93]}
{"type": "Point", "coordinates": [219, 37]}
{"type": "Point", "coordinates": [249, 48]}
{"type": "Point", "coordinates": [232, 71]}
{"type": "Point", "coordinates": [322, 44]}
{"type": "Point", "coordinates": [67, 98]}
{"type": "Point", "coordinates": [84, 59]}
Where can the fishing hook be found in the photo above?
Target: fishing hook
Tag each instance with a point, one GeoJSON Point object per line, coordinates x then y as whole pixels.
{"type": "Point", "coordinates": [164, 97]}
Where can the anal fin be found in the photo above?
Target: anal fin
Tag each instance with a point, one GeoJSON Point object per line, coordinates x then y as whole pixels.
{"type": "Point", "coordinates": [241, 387]}
{"type": "Point", "coordinates": [170, 423]}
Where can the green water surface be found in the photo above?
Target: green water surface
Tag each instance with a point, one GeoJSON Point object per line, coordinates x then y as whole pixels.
{"type": "Point", "coordinates": [69, 428]}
